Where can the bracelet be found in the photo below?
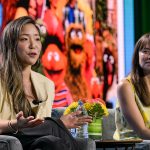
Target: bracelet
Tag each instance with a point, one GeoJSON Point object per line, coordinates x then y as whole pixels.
{"type": "Point", "coordinates": [14, 131]}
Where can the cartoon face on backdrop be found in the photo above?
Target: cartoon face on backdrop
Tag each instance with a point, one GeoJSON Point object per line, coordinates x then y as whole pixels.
{"type": "Point", "coordinates": [75, 38]}
{"type": "Point", "coordinates": [108, 65]}
{"type": "Point", "coordinates": [108, 71]}
{"type": "Point", "coordinates": [54, 64]}
{"type": "Point", "coordinates": [75, 78]}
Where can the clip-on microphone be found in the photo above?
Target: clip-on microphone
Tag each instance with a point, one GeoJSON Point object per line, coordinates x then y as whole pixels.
{"type": "Point", "coordinates": [37, 102]}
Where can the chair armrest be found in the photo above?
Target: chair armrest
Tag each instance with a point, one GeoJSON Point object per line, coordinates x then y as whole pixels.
{"type": "Point", "coordinates": [108, 125]}
{"type": "Point", "coordinates": [86, 144]}
{"type": "Point", "coordinates": [9, 143]}
{"type": "Point", "coordinates": [145, 145]}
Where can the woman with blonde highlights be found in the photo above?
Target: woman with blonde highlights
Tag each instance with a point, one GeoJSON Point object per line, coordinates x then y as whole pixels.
{"type": "Point", "coordinates": [26, 96]}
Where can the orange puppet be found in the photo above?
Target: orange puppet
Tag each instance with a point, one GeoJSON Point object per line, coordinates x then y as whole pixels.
{"type": "Point", "coordinates": [75, 78]}
{"type": "Point", "coordinates": [54, 67]}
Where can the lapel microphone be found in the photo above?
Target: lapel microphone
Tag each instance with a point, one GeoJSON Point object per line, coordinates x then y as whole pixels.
{"type": "Point", "coordinates": [37, 102]}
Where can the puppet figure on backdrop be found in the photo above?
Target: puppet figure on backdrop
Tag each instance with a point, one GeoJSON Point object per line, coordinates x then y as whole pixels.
{"type": "Point", "coordinates": [45, 13]}
{"type": "Point", "coordinates": [108, 70]}
{"type": "Point", "coordinates": [75, 78]}
{"type": "Point", "coordinates": [75, 12]}
{"type": "Point", "coordinates": [110, 43]}
{"type": "Point", "coordinates": [72, 14]}
{"type": "Point", "coordinates": [78, 11]}
{"type": "Point", "coordinates": [16, 9]}
{"type": "Point", "coordinates": [106, 58]}
{"type": "Point", "coordinates": [54, 64]}
{"type": "Point", "coordinates": [109, 63]}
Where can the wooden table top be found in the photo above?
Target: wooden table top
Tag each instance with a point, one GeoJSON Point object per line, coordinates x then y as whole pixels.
{"type": "Point", "coordinates": [120, 141]}
{"type": "Point", "coordinates": [117, 143]}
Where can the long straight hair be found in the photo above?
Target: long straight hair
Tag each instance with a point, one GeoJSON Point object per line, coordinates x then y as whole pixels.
{"type": "Point", "coordinates": [11, 69]}
{"type": "Point", "coordinates": [137, 75]}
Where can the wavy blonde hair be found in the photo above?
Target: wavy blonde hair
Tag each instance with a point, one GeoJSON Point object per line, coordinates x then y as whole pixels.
{"type": "Point", "coordinates": [11, 69]}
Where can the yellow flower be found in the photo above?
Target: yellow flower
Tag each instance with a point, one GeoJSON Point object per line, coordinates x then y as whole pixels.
{"type": "Point", "coordinates": [71, 108]}
{"type": "Point", "coordinates": [105, 110]}
{"type": "Point", "coordinates": [87, 106]}
{"type": "Point", "coordinates": [94, 109]}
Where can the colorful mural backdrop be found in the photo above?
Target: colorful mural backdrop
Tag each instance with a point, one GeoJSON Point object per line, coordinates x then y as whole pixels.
{"type": "Point", "coordinates": [79, 45]}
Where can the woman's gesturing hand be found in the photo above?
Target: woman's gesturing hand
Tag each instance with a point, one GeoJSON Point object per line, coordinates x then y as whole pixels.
{"type": "Point", "coordinates": [75, 119]}
{"type": "Point", "coordinates": [30, 121]}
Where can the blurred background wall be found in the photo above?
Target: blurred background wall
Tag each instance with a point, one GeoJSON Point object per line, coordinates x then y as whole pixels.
{"type": "Point", "coordinates": [94, 39]}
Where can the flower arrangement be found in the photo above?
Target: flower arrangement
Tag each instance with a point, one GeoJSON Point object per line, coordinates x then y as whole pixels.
{"type": "Point", "coordinates": [95, 107]}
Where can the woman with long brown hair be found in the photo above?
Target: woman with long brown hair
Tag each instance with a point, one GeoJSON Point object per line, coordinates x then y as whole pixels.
{"type": "Point", "coordinates": [134, 95]}
{"type": "Point", "coordinates": [26, 96]}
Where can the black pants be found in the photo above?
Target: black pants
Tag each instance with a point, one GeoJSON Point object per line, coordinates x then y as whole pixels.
{"type": "Point", "coordinates": [51, 135]}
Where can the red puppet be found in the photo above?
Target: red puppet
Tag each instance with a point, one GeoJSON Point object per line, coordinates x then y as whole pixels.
{"type": "Point", "coordinates": [54, 67]}
{"type": "Point", "coordinates": [108, 69]}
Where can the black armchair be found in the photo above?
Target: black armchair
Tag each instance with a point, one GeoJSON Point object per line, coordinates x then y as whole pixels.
{"type": "Point", "coordinates": [9, 143]}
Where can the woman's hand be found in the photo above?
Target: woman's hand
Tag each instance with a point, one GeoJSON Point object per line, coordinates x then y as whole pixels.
{"type": "Point", "coordinates": [75, 120]}
{"type": "Point", "coordinates": [30, 121]}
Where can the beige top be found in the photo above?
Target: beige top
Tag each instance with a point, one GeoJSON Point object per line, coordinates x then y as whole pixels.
{"type": "Point", "coordinates": [123, 130]}
{"type": "Point", "coordinates": [44, 89]}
